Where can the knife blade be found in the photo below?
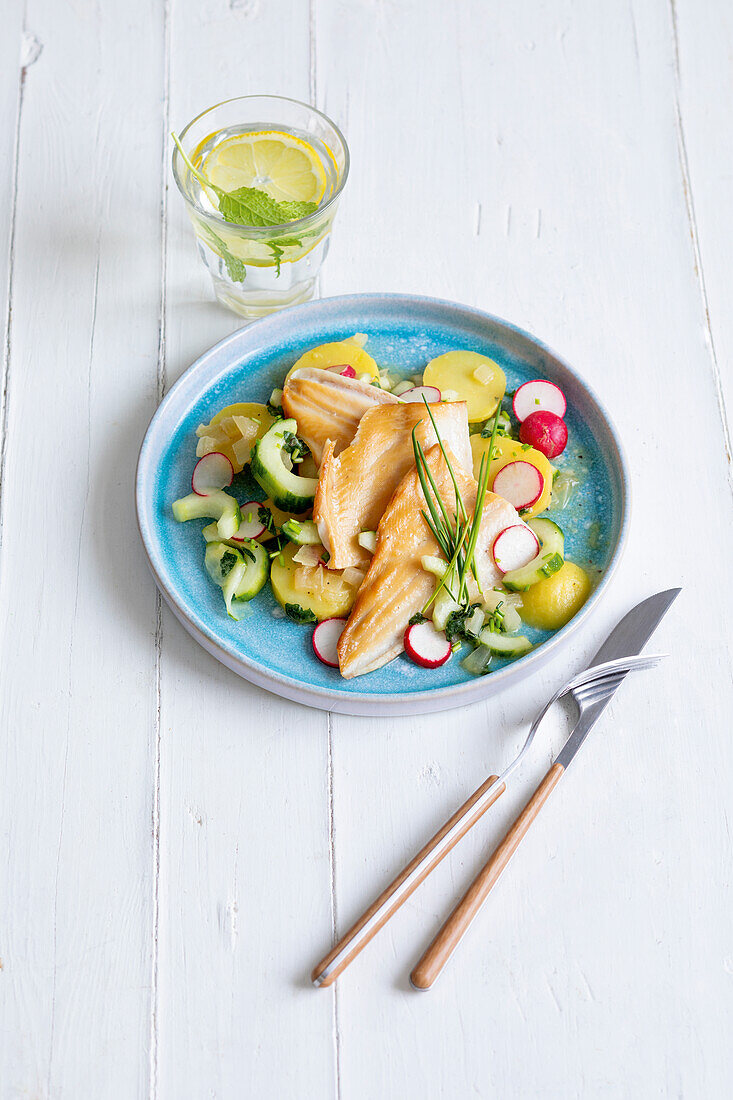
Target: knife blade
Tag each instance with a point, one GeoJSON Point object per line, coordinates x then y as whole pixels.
{"type": "Point", "coordinates": [627, 639]}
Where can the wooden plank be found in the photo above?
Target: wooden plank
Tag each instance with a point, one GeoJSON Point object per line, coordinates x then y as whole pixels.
{"type": "Point", "coordinates": [527, 161]}
{"type": "Point", "coordinates": [703, 47]}
{"type": "Point", "coordinates": [244, 839]}
{"type": "Point", "coordinates": [77, 684]}
{"type": "Point", "coordinates": [16, 56]}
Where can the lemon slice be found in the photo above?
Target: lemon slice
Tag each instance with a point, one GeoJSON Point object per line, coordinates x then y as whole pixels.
{"type": "Point", "coordinates": [284, 166]}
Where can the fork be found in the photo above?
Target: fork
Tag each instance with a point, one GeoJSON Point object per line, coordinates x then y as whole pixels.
{"type": "Point", "coordinates": [588, 688]}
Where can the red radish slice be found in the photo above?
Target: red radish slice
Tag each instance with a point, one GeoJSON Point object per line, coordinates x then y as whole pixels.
{"type": "Point", "coordinates": [520, 483]}
{"type": "Point", "coordinates": [427, 646]}
{"type": "Point", "coordinates": [514, 547]}
{"type": "Point", "coordinates": [326, 639]}
{"type": "Point", "coordinates": [545, 432]}
{"type": "Point", "coordinates": [539, 396]}
{"type": "Point", "coordinates": [430, 393]}
{"type": "Point", "coordinates": [212, 472]}
{"type": "Point", "coordinates": [249, 528]}
{"type": "Point", "coordinates": [345, 369]}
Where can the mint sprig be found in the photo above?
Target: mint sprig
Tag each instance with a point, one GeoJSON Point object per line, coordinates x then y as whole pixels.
{"type": "Point", "coordinates": [236, 268]}
{"type": "Point", "coordinates": [249, 206]}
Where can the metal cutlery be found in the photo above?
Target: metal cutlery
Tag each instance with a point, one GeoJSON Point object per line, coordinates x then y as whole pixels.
{"type": "Point", "coordinates": [591, 697]}
{"type": "Point", "coordinates": [591, 691]}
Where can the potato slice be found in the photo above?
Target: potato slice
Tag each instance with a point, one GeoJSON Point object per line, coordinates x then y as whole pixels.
{"type": "Point", "coordinates": [233, 431]}
{"type": "Point", "coordinates": [334, 355]}
{"type": "Point", "coordinates": [477, 380]}
{"type": "Point", "coordinates": [329, 596]}
{"type": "Point", "coordinates": [508, 450]}
{"type": "Point", "coordinates": [553, 601]}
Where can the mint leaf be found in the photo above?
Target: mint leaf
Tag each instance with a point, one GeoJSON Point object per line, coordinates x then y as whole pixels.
{"type": "Point", "coordinates": [236, 268]}
{"type": "Point", "coordinates": [277, 253]}
{"type": "Point", "coordinates": [249, 206]}
{"type": "Point", "coordinates": [278, 247]}
{"type": "Point", "coordinates": [292, 211]}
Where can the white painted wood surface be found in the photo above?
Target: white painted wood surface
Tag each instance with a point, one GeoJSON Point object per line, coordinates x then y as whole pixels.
{"type": "Point", "coordinates": [178, 847]}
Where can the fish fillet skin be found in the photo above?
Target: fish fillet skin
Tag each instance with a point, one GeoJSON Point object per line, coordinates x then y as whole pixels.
{"type": "Point", "coordinates": [355, 487]}
{"type": "Point", "coordinates": [396, 586]}
{"type": "Point", "coordinates": [327, 405]}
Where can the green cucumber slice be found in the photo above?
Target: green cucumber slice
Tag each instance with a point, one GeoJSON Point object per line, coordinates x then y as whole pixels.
{"type": "Point", "coordinates": [368, 541]}
{"type": "Point", "coordinates": [505, 645]}
{"type": "Point", "coordinates": [547, 562]}
{"type": "Point", "coordinates": [301, 531]}
{"type": "Point", "coordinates": [256, 572]}
{"type": "Point", "coordinates": [218, 505]}
{"type": "Point", "coordinates": [226, 567]}
{"type": "Point", "coordinates": [288, 491]}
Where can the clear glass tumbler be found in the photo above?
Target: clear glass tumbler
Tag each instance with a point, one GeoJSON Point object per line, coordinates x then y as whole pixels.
{"type": "Point", "coordinates": [257, 269]}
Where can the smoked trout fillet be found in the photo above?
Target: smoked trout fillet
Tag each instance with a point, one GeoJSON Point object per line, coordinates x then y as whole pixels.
{"type": "Point", "coordinates": [327, 405]}
{"type": "Point", "coordinates": [396, 586]}
{"type": "Point", "coordinates": [355, 487]}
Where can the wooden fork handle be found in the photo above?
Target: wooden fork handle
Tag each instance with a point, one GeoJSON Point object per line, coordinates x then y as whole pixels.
{"type": "Point", "coordinates": [389, 901]}
{"type": "Point", "coordinates": [450, 935]}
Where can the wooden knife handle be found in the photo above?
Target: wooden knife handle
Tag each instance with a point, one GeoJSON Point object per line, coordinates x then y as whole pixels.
{"type": "Point", "coordinates": [389, 901]}
{"type": "Point", "coordinates": [450, 935]}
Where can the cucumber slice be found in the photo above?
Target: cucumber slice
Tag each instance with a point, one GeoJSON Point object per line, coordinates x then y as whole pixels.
{"type": "Point", "coordinates": [302, 531]}
{"type": "Point", "coordinates": [256, 572]}
{"type": "Point", "coordinates": [444, 604]}
{"type": "Point", "coordinates": [505, 645]}
{"type": "Point", "coordinates": [211, 534]}
{"type": "Point", "coordinates": [511, 621]}
{"type": "Point", "coordinates": [547, 562]}
{"type": "Point", "coordinates": [219, 506]}
{"type": "Point", "coordinates": [286, 489]}
{"type": "Point", "coordinates": [367, 540]}
{"type": "Point", "coordinates": [226, 567]}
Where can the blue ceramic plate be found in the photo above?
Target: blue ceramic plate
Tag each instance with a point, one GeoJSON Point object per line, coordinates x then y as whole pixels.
{"type": "Point", "coordinates": [404, 332]}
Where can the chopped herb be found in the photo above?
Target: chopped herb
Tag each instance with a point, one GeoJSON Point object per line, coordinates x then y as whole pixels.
{"type": "Point", "coordinates": [325, 557]}
{"type": "Point", "coordinates": [299, 614]}
{"type": "Point", "coordinates": [417, 618]}
{"type": "Point", "coordinates": [266, 518]}
{"type": "Point", "coordinates": [246, 550]}
{"type": "Point", "coordinates": [228, 561]}
{"type": "Point", "coordinates": [455, 627]}
{"type": "Point", "coordinates": [296, 448]}
{"type": "Point", "coordinates": [503, 422]}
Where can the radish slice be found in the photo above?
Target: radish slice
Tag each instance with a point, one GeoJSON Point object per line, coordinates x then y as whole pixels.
{"type": "Point", "coordinates": [539, 396]}
{"type": "Point", "coordinates": [345, 369]}
{"type": "Point", "coordinates": [430, 393]}
{"type": "Point", "coordinates": [520, 483]}
{"type": "Point", "coordinates": [427, 646]}
{"type": "Point", "coordinates": [326, 639]}
{"type": "Point", "coordinates": [250, 527]}
{"type": "Point", "coordinates": [514, 547]}
{"type": "Point", "coordinates": [211, 473]}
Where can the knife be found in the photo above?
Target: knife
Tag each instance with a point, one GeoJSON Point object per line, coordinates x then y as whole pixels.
{"type": "Point", "coordinates": [627, 639]}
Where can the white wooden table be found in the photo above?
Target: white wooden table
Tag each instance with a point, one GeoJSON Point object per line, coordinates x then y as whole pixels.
{"type": "Point", "coordinates": [178, 847]}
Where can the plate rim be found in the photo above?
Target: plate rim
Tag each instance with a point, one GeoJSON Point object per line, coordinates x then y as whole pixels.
{"type": "Point", "coordinates": [382, 703]}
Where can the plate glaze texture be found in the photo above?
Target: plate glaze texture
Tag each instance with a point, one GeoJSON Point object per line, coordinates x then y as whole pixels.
{"type": "Point", "coordinates": [404, 332]}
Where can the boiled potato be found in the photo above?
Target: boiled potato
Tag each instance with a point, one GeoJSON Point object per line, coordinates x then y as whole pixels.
{"type": "Point", "coordinates": [253, 409]}
{"type": "Point", "coordinates": [232, 438]}
{"type": "Point", "coordinates": [508, 450]}
{"type": "Point", "coordinates": [553, 601]}
{"type": "Point", "coordinates": [336, 354]}
{"type": "Point", "coordinates": [478, 381]}
{"type": "Point", "coordinates": [331, 597]}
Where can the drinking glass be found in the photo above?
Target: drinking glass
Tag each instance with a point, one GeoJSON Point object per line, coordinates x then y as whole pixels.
{"type": "Point", "coordinates": [259, 269]}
